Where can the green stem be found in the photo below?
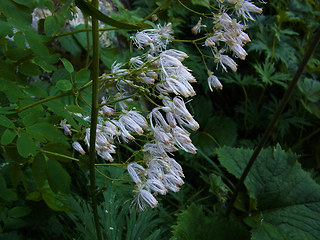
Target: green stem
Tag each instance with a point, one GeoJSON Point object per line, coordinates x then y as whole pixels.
{"type": "Point", "coordinates": [94, 116]}
{"type": "Point", "coordinates": [275, 117]}
{"type": "Point", "coordinates": [150, 15]}
{"type": "Point", "coordinates": [44, 100]}
{"type": "Point", "coordinates": [60, 155]}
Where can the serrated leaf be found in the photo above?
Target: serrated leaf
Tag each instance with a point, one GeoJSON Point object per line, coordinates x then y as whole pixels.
{"type": "Point", "coordinates": [68, 66]}
{"type": "Point", "coordinates": [64, 85]}
{"type": "Point", "coordinates": [6, 122]}
{"type": "Point", "coordinates": [8, 136]}
{"type": "Point", "coordinates": [288, 199]}
{"type": "Point", "coordinates": [25, 145]}
{"type": "Point", "coordinates": [58, 177]}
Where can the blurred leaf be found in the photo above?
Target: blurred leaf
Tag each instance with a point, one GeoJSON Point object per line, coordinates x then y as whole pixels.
{"type": "Point", "coordinates": [82, 77]}
{"type": "Point", "coordinates": [58, 177]}
{"type": "Point", "coordinates": [29, 69]}
{"type": "Point", "coordinates": [18, 212]}
{"type": "Point", "coordinates": [51, 25]}
{"type": "Point", "coordinates": [193, 223]}
{"type": "Point", "coordinates": [39, 167]}
{"type": "Point", "coordinates": [56, 201]}
{"type": "Point", "coordinates": [8, 136]}
{"type": "Point", "coordinates": [4, 121]}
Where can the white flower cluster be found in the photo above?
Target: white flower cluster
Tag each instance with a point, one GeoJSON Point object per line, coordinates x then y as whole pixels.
{"type": "Point", "coordinates": [159, 172]}
{"type": "Point", "coordinates": [228, 36]}
{"type": "Point", "coordinates": [159, 74]}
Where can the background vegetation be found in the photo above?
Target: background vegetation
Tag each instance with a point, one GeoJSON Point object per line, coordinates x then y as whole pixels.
{"type": "Point", "coordinates": [44, 183]}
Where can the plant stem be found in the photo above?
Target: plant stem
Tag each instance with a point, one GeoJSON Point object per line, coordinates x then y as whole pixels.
{"type": "Point", "coordinates": [94, 116]}
{"type": "Point", "coordinates": [275, 117]}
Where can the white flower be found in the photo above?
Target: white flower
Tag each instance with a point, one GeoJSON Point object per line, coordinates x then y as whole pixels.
{"type": "Point", "coordinates": [225, 60]}
{"type": "Point", "coordinates": [66, 127]}
{"type": "Point", "coordinates": [77, 146]}
{"type": "Point", "coordinates": [183, 140]}
{"type": "Point", "coordinates": [244, 8]}
{"type": "Point", "coordinates": [197, 28]}
{"type": "Point", "coordinates": [144, 198]}
{"type": "Point", "coordinates": [135, 170]}
{"type": "Point", "coordinates": [156, 186]}
{"type": "Point", "coordinates": [213, 82]}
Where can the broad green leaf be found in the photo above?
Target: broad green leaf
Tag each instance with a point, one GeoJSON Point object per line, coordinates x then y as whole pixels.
{"type": "Point", "coordinates": [71, 45]}
{"type": "Point", "coordinates": [5, 29]}
{"type": "Point", "coordinates": [5, 193]}
{"type": "Point", "coordinates": [34, 196]}
{"type": "Point", "coordinates": [68, 66]}
{"type": "Point", "coordinates": [82, 77]}
{"type": "Point", "coordinates": [75, 108]}
{"type": "Point", "coordinates": [44, 130]}
{"type": "Point", "coordinates": [8, 136]}
{"type": "Point", "coordinates": [193, 223]}
{"type": "Point", "coordinates": [64, 85]}
{"type": "Point", "coordinates": [6, 122]}
{"type": "Point", "coordinates": [20, 40]}
{"type": "Point", "coordinates": [18, 212]}
{"type": "Point", "coordinates": [50, 25]}
{"type": "Point", "coordinates": [56, 201]}
{"type": "Point", "coordinates": [29, 69]}
{"type": "Point", "coordinates": [39, 167]}
{"type": "Point", "coordinates": [9, 9]}
{"type": "Point", "coordinates": [60, 149]}
{"type": "Point", "coordinates": [25, 144]}
{"type": "Point", "coordinates": [58, 177]}
{"type": "Point", "coordinates": [288, 199]}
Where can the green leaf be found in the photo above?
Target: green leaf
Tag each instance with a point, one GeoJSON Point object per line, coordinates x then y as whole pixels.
{"type": "Point", "coordinates": [5, 29]}
{"type": "Point", "coordinates": [58, 148]}
{"type": "Point", "coordinates": [75, 108]}
{"type": "Point", "coordinates": [39, 167]}
{"type": "Point", "coordinates": [64, 85]}
{"type": "Point", "coordinates": [193, 223]}
{"type": "Point", "coordinates": [25, 145]}
{"type": "Point", "coordinates": [92, 11]}
{"type": "Point", "coordinates": [4, 121]}
{"type": "Point", "coordinates": [18, 212]}
{"type": "Point", "coordinates": [44, 130]}
{"type": "Point", "coordinates": [8, 136]}
{"type": "Point", "coordinates": [288, 199]}
{"type": "Point", "coordinates": [50, 25]}
{"type": "Point", "coordinates": [71, 45]}
{"type": "Point", "coordinates": [56, 201]}
{"type": "Point", "coordinates": [82, 77]}
{"type": "Point", "coordinates": [29, 69]}
{"type": "Point", "coordinates": [58, 177]}
{"type": "Point", "coordinates": [67, 65]}
{"type": "Point", "coordinates": [20, 40]}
